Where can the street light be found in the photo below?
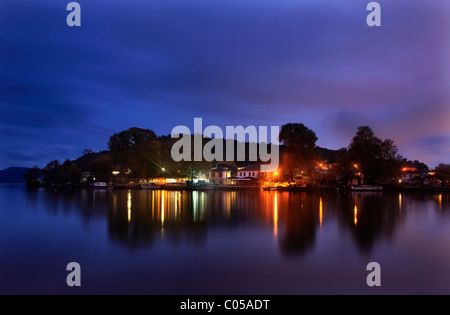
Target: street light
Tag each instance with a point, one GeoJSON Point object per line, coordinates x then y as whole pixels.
{"type": "Point", "coordinates": [274, 174]}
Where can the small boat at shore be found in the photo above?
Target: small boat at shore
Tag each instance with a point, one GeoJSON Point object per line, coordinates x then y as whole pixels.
{"type": "Point", "coordinates": [367, 188]}
{"type": "Point", "coordinates": [100, 185]}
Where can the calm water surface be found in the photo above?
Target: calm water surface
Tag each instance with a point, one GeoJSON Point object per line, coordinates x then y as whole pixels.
{"type": "Point", "coordinates": [164, 242]}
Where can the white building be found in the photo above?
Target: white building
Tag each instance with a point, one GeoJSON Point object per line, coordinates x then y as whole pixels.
{"type": "Point", "coordinates": [254, 171]}
{"type": "Point", "coordinates": [220, 175]}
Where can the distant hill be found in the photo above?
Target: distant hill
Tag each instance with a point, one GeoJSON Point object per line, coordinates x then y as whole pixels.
{"type": "Point", "coordinates": [13, 175]}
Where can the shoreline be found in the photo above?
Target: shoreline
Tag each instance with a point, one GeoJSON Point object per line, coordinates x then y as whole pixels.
{"type": "Point", "coordinates": [386, 189]}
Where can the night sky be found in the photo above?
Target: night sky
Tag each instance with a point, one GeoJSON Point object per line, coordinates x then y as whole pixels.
{"type": "Point", "coordinates": [157, 64]}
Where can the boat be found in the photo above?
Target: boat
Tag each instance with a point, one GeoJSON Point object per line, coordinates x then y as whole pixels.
{"type": "Point", "coordinates": [100, 185]}
{"type": "Point", "coordinates": [150, 186]}
{"type": "Point", "coordinates": [367, 188]}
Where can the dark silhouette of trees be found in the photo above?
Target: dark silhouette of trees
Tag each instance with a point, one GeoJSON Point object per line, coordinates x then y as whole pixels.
{"type": "Point", "coordinates": [69, 172]}
{"type": "Point", "coordinates": [300, 149]}
{"type": "Point", "coordinates": [55, 173]}
{"type": "Point", "coordinates": [99, 165]}
{"type": "Point", "coordinates": [443, 173]}
{"type": "Point", "coordinates": [377, 159]}
{"type": "Point", "coordinates": [345, 168]}
{"type": "Point", "coordinates": [87, 152]}
{"type": "Point", "coordinates": [32, 176]}
{"type": "Point", "coordinates": [138, 150]}
{"type": "Point", "coordinates": [419, 166]}
{"type": "Point", "coordinates": [50, 172]}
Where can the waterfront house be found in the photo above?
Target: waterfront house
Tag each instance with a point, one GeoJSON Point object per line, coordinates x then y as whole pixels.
{"type": "Point", "coordinates": [325, 174]}
{"type": "Point", "coordinates": [357, 179]}
{"type": "Point", "coordinates": [220, 175]}
{"type": "Point", "coordinates": [254, 171]}
{"type": "Point", "coordinates": [411, 176]}
{"type": "Point", "coordinates": [325, 167]}
{"type": "Point", "coordinates": [253, 175]}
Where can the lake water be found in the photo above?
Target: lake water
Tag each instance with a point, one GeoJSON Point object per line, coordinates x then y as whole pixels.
{"type": "Point", "coordinates": [165, 242]}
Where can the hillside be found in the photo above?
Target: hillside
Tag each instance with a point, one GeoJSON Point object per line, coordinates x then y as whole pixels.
{"type": "Point", "coordinates": [13, 175]}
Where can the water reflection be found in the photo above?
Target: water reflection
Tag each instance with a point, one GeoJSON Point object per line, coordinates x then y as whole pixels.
{"type": "Point", "coordinates": [375, 216]}
{"type": "Point", "coordinates": [321, 212]}
{"type": "Point", "coordinates": [275, 215]}
{"type": "Point", "coordinates": [301, 220]}
{"type": "Point", "coordinates": [140, 219]}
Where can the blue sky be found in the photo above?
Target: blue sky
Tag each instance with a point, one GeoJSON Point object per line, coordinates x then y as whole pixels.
{"type": "Point", "coordinates": [158, 64]}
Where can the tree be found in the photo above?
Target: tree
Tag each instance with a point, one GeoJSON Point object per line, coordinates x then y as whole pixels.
{"type": "Point", "coordinates": [129, 138]}
{"type": "Point", "coordinates": [32, 176]}
{"type": "Point", "coordinates": [443, 173]}
{"type": "Point", "coordinates": [419, 166]}
{"type": "Point", "coordinates": [137, 149]}
{"type": "Point", "coordinates": [69, 172]}
{"type": "Point", "coordinates": [87, 152]}
{"type": "Point", "coordinates": [377, 159]}
{"type": "Point", "coordinates": [300, 149]}
{"type": "Point", "coordinates": [345, 168]}
{"type": "Point", "coordinates": [50, 172]}
{"type": "Point", "coordinates": [102, 167]}
{"type": "Point", "coordinates": [56, 173]}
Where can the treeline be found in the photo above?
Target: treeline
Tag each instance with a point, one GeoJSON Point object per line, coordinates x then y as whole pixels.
{"type": "Point", "coordinates": [134, 154]}
{"type": "Point", "coordinates": [140, 153]}
{"type": "Point", "coordinates": [376, 159]}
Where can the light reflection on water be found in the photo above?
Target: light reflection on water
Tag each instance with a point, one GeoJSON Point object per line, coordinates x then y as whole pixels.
{"type": "Point", "coordinates": [274, 234]}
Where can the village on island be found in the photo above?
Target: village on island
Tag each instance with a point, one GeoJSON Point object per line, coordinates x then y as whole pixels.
{"type": "Point", "coordinates": [138, 159]}
{"type": "Point", "coordinates": [225, 177]}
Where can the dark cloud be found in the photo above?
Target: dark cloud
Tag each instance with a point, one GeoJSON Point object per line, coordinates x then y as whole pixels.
{"type": "Point", "coordinates": [158, 64]}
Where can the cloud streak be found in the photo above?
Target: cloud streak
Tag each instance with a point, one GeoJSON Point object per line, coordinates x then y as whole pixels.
{"type": "Point", "coordinates": [160, 64]}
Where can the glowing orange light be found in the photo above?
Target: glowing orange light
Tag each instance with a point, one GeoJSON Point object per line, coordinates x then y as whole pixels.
{"type": "Point", "coordinates": [321, 212]}
{"type": "Point", "coordinates": [275, 216]}
{"type": "Point", "coordinates": [162, 207]}
{"type": "Point", "coordinates": [129, 205]}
